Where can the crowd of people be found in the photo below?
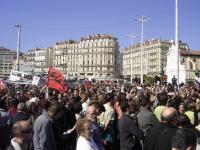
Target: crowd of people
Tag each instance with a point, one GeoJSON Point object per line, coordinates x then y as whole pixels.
{"type": "Point", "coordinates": [103, 117]}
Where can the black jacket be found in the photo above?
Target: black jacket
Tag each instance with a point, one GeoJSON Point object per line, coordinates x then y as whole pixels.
{"type": "Point", "coordinates": [159, 137]}
{"type": "Point", "coordinates": [19, 117]}
{"type": "Point", "coordinates": [129, 133]}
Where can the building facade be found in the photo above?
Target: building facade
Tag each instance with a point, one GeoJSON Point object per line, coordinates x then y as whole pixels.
{"type": "Point", "coordinates": [191, 61]}
{"type": "Point", "coordinates": [6, 61]}
{"type": "Point", "coordinates": [154, 57]}
{"type": "Point", "coordinates": [43, 59]}
{"type": "Point", "coordinates": [92, 56]}
{"type": "Point", "coordinates": [24, 65]}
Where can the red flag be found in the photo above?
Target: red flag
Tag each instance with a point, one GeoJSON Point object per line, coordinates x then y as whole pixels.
{"type": "Point", "coordinates": [56, 80]}
{"type": "Point", "coordinates": [2, 85]}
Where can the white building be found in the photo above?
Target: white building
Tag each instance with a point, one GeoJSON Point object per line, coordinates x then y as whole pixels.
{"type": "Point", "coordinates": [189, 64]}
{"type": "Point", "coordinates": [92, 56]}
{"type": "Point", "coordinates": [154, 57]}
{"type": "Point", "coordinates": [6, 61]}
{"type": "Point", "coordinates": [43, 59]}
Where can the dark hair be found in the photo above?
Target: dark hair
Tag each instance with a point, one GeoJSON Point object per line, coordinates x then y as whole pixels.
{"type": "Point", "coordinates": [54, 109]}
{"type": "Point", "coordinates": [184, 137]}
{"type": "Point", "coordinates": [2, 104]}
{"type": "Point", "coordinates": [144, 101]}
{"type": "Point", "coordinates": [124, 105]}
{"type": "Point", "coordinates": [134, 106]}
{"type": "Point", "coordinates": [162, 98]}
{"type": "Point", "coordinates": [77, 106]}
{"type": "Point", "coordinates": [183, 120]}
{"type": "Point", "coordinates": [109, 97]}
{"type": "Point", "coordinates": [191, 105]}
{"type": "Point", "coordinates": [45, 104]}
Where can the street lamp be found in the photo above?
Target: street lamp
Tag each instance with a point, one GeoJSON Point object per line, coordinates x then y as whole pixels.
{"type": "Point", "coordinates": [142, 20]}
{"type": "Point", "coordinates": [18, 26]}
{"type": "Point", "coordinates": [131, 36]}
{"type": "Point", "coordinates": [177, 38]}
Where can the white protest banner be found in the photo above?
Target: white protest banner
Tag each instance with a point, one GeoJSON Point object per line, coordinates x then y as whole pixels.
{"type": "Point", "coordinates": [35, 80]}
{"type": "Point", "coordinates": [20, 76]}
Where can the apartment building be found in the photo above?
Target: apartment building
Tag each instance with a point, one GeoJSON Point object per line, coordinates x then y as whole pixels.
{"type": "Point", "coordinates": [92, 56]}
{"type": "Point", "coordinates": [191, 61]}
{"type": "Point", "coordinates": [6, 61]}
{"type": "Point", "coordinates": [154, 57]}
{"type": "Point", "coordinates": [66, 56]}
{"type": "Point", "coordinates": [43, 59]}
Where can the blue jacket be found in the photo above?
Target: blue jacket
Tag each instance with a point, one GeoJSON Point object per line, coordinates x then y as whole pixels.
{"type": "Point", "coordinates": [43, 136]}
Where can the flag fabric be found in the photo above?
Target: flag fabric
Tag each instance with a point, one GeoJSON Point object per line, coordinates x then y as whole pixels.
{"type": "Point", "coordinates": [56, 80]}
{"type": "Point", "coordinates": [2, 85]}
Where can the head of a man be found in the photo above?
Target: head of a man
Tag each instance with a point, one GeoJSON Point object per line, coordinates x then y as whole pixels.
{"type": "Point", "coordinates": [22, 131]}
{"type": "Point", "coordinates": [22, 107]}
{"type": "Point", "coordinates": [145, 102]}
{"type": "Point", "coordinates": [169, 115]}
{"type": "Point", "coordinates": [91, 113]}
{"type": "Point", "coordinates": [125, 106]}
{"type": "Point", "coordinates": [54, 111]}
{"type": "Point", "coordinates": [184, 139]}
{"type": "Point", "coordinates": [99, 107]}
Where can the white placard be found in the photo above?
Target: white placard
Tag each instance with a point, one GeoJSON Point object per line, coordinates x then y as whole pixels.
{"type": "Point", "coordinates": [35, 80]}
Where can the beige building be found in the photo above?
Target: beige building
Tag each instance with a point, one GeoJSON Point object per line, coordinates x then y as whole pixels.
{"type": "Point", "coordinates": [191, 62]}
{"type": "Point", "coordinates": [24, 65]}
{"type": "Point", "coordinates": [92, 56]}
{"type": "Point", "coordinates": [29, 58]}
{"type": "Point", "coordinates": [43, 59]}
{"type": "Point", "coordinates": [66, 56]}
{"type": "Point", "coordinates": [6, 61]}
{"type": "Point", "coordinates": [154, 57]}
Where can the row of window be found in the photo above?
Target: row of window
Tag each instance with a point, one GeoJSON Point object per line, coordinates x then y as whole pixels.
{"type": "Point", "coordinates": [96, 69]}
{"type": "Point", "coordinates": [100, 50]}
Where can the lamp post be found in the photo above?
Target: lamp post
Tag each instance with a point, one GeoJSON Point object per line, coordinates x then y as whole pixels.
{"type": "Point", "coordinates": [177, 38]}
{"type": "Point", "coordinates": [142, 20]}
{"type": "Point", "coordinates": [132, 36]}
{"type": "Point", "coordinates": [18, 26]}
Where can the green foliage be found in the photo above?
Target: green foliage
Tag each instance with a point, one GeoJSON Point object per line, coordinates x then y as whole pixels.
{"type": "Point", "coordinates": [148, 79]}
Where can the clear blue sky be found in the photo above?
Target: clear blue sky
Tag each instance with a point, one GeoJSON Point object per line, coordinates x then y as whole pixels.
{"type": "Point", "coordinates": [45, 22]}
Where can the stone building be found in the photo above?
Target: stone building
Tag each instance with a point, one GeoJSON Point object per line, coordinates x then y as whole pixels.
{"type": "Point", "coordinates": [154, 57]}
{"type": "Point", "coordinates": [6, 61]}
{"type": "Point", "coordinates": [92, 56]}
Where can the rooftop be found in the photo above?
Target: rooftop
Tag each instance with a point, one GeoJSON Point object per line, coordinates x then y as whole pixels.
{"type": "Point", "coordinates": [190, 53]}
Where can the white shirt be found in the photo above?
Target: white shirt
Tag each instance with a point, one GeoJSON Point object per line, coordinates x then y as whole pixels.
{"type": "Point", "coordinates": [84, 144]}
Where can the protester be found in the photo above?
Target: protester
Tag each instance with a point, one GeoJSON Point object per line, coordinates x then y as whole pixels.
{"type": "Point", "coordinates": [146, 119]}
{"type": "Point", "coordinates": [181, 108]}
{"type": "Point", "coordinates": [104, 97]}
{"type": "Point", "coordinates": [160, 136]}
{"type": "Point", "coordinates": [162, 99]}
{"type": "Point", "coordinates": [84, 128]}
{"type": "Point", "coordinates": [5, 126]}
{"type": "Point", "coordinates": [184, 139]}
{"type": "Point", "coordinates": [130, 134]}
{"type": "Point", "coordinates": [21, 113]}
{"type": "Point", "coordinates": [91, 114]}
{"type": "Point", "coordinates": [107, 120]}
{"type": "Point", "coordinates": [22, 131]}
{"type": "Point", "coordinates": [43, 137]}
